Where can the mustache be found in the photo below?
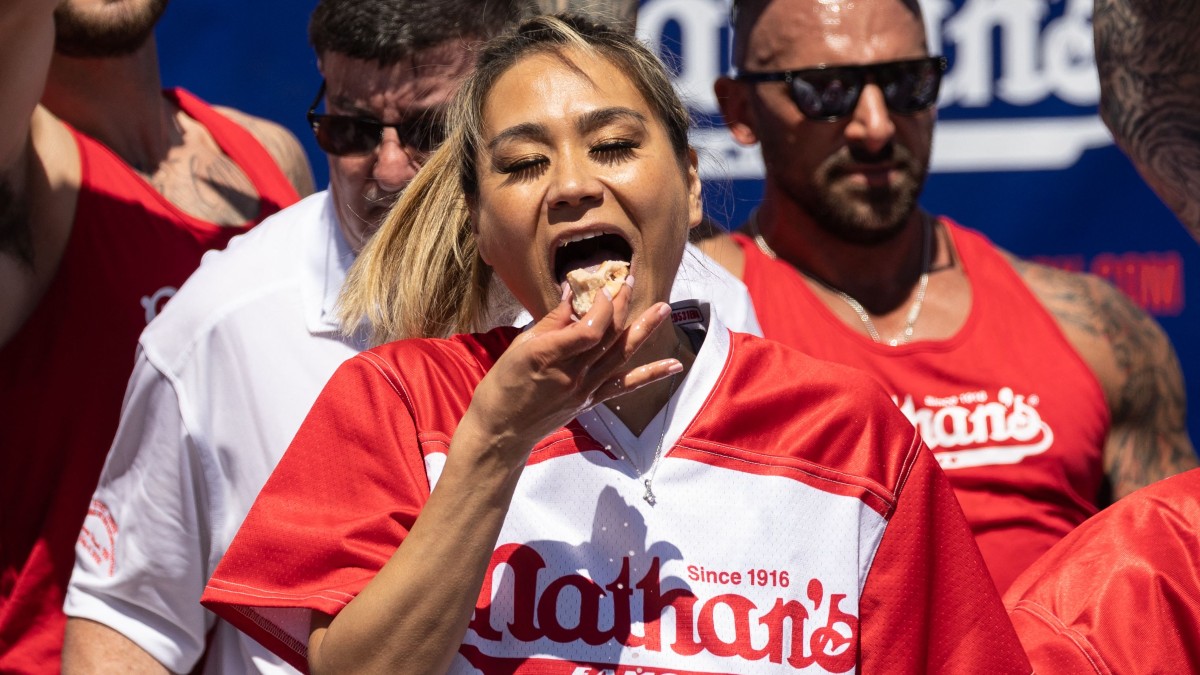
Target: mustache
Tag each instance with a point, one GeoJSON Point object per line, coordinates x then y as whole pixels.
{"type": "Point", "coordinates": [856, 155]}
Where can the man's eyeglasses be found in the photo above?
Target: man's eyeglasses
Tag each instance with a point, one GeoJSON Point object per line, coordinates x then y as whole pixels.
{"type": "Point", "coordinates": [828, 93]}
{"type": "Point", "coordinates": [350, 135]}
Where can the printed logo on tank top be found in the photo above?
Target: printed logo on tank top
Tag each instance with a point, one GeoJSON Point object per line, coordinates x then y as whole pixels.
{"type": "Point", "coordinates": [977, 428]}
{"type": "Point", "coordinates": [153, 304]}
{"type": "Point", "coordinates": [622, 620]}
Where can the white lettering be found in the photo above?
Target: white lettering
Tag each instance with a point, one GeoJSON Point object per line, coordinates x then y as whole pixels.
{"type": "Point", "coordinates": [971, 430]}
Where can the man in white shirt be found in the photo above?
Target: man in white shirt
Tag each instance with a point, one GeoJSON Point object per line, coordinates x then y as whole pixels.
{"type": "Point", "coordinates": [227, 373]}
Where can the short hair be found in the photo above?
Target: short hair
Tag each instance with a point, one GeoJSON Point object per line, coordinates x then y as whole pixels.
{"type": "Point", "coordinates": [387, 31]}
{"type": "Point", "coordinates": [421, 274]}
{"type": "Point", "coordinates": [743, 14]}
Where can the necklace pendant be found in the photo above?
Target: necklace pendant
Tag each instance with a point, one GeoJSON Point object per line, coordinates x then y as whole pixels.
{"type": "Point", "coordinates": [649, 496]}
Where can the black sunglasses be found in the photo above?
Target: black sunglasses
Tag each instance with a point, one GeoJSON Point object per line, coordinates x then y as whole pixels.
{"type": "Point", "coordinates": [350, 135]}
{"type": "Point", "coordinates": [828, 93]}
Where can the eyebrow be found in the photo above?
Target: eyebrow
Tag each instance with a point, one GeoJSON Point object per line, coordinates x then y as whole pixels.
{"type": "Point", "coordinates": [586, 123]}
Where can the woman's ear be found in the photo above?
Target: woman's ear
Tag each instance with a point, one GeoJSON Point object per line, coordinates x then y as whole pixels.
{"type": "Point", "coordinates": [733, 97]}
{"type": "Point", "coordinates": [694, 188]}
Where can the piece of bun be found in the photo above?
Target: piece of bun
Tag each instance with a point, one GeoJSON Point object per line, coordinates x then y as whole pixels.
{"type": "Point", "coordinates": [585, 284]}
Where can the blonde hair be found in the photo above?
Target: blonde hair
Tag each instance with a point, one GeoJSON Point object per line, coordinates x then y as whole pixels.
{"type": "Point", "coordinates": [421, 274]}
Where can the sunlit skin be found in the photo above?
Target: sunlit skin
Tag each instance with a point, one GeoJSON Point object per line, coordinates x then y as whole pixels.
{"type": "Point", "coordinates": [570, 151]}
{"type": "Point", "coordinates": [364, 187]}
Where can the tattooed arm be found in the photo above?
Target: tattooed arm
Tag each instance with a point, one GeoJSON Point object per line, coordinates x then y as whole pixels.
{"type": "Point", "coordinates": [1137, 368]}
{"type": "Point", "coordinates": [1148, 55]}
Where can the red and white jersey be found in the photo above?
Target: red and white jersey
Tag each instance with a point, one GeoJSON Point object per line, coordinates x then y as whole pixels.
{"type": "Point", "coordinates": [1010, 409]}
{"type": "Point", "coordinates": [1120, 594]}
{"type": "Point", "coordinates": [799, 525]}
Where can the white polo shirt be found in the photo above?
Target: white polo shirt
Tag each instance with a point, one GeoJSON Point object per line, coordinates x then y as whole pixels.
{"type": "Point", "coordinates": [222, 381]}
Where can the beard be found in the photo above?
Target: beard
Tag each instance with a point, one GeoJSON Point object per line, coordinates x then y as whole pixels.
{"type": "Point", "coordinates": [869, 215]}
{"type": "Point", "coordinates": [108, 32]}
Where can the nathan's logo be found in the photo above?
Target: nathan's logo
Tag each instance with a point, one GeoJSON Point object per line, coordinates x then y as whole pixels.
{"type": "Point", "coordinates": [725, 625]}
{"type": "Point", "coordinates": [973, 429]}
{"type": "Point", "coordinates": [153, 304]}
{"type": "Point", "coordinates": [98, 537]}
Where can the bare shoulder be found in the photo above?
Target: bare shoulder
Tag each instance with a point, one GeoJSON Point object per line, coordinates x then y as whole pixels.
{"type": "Point", "coordinates": [1137, 367]}
{"type": "Point", "coordinates": [718, 245]}
{"type": "Point", "coordinates": [281, 143]}
{"type": "Point", "coordinates": [1102, 323]}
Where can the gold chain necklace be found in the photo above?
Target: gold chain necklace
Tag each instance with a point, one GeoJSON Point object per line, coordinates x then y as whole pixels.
{"type": "Point", "coordinates": [914, 310]}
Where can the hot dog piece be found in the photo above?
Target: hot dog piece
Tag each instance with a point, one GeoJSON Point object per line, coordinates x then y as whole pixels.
{"type": "Point", "coordinates": [585, 283]}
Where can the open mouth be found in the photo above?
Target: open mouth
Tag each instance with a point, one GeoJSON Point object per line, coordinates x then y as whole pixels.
{"type": "Point", "coordinates": [588, 251]}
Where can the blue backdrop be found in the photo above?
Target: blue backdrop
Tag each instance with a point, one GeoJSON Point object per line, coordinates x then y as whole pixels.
{"type": "Point", "coordinates": [1019, 151]}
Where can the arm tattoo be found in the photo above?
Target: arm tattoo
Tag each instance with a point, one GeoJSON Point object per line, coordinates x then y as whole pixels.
{"type": "Point", "coordinates": [1148, 439]}
{"type": "Point", "coordinates": [1148, 56]}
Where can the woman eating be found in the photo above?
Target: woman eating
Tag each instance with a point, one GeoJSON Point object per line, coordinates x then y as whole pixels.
{"type": "Point", "coordinates": [613, 489]}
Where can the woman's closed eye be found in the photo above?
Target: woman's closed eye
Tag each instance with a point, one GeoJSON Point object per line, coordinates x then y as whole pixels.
{"type": "Point", "coordinates": [522, 168]}
{"type": "Point", "coordinates": [615, 150]}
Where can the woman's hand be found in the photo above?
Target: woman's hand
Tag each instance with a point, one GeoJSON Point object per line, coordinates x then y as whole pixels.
{"type": "Point", "coordinates": [561, 367]}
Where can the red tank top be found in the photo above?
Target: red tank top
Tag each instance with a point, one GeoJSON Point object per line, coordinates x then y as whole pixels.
{"type": "Point", "coordinates": [63, 375]}
{"type": "Point", "coordinates": [1013, 414]}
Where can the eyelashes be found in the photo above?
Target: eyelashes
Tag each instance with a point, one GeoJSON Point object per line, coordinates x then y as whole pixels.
{"type": "Point", "coordinates": [612, 152]}
{"type": "Point", "coordinates": [529, 167]}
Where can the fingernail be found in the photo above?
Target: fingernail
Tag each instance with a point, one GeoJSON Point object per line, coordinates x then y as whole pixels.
{"type": "Point", "coordinates": [674, 368]}
{"type": "Point", "coordinates": [607, 293]}
{"type": "Point", "coordinates": [629, 281]}
{"type": "Point", "coordinates": [663, 310]}
{"type": "Point", "coordinates": [566, 290]}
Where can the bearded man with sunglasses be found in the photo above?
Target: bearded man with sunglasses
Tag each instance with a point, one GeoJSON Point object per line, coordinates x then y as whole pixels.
{"type": "Point", "coordinates": [1043, 394]}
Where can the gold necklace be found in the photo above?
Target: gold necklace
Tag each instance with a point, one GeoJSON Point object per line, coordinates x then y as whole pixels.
{"type": "Point", "coordinates": [914, 310]}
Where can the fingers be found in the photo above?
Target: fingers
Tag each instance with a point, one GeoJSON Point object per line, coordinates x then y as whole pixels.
{"type": "Point", "coordinates": [637, 378]}
{"type": "Point", "coordinates": [632, 339]}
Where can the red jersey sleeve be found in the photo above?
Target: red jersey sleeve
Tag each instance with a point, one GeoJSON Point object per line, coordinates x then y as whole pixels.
{"type": "Point", "coordinates": [1121, 593]}
{"type": "Point", "coordinates": [340, 502]}
{"type": "Point", "coordinates": [929, 604]}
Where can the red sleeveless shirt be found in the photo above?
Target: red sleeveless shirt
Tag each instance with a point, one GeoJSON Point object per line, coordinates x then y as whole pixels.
{"type": "Point", "coordinates": [1013, 414]}
{"type": "Point", "coordinates": [63, 375]}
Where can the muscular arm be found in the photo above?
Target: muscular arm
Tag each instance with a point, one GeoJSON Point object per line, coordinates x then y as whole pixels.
{"type": "Point", "coordinates": [283, 147]}
{"type": "Point", "coordinates": [26, 45]}
{"type": "Point", "coordinates": [1148, 56]}
{"type": "Point", "coordinates": [91, 647]}
{"type": "Point", "coordinates": [1137, 368]}
{"type": "Point", "coordinates": [39, 166]}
